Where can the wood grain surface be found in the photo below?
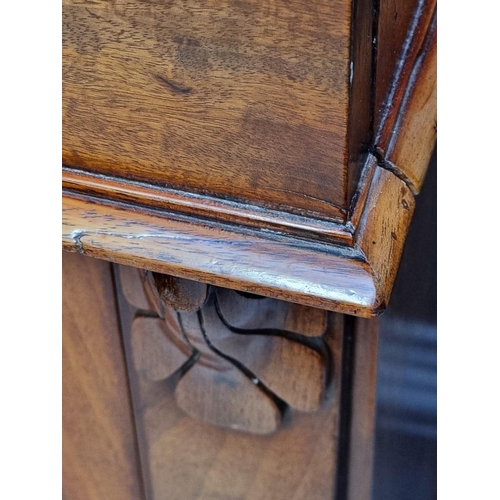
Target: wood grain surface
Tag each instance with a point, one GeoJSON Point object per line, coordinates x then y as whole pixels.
{"type": "Point", "coordinates": [247, 100]}
{"type": "Point", "coordinates": [362, 425]}
{"type": "Point", "coordinates": [409, 150]}
{"type": "Point", "coordinates": [383, 228]}
{"type": "Point", "coordinates": [353, 280]}
{"type": "Point", "coordinates": [181, 294]}
{"type": "Point", "coordinates": [394, 68]}
{"type": "Point", "coordinates": [246, 314]}
{"type": "Point", "coordinates": [319, 276]}
{"type": "Point", "coordinates": [346, 265]}
{"type": "Point", "coordinates": [228, 211]}
{"type": "Point", "coordinates": [227, 143]}
{"type": "Point", "coordinates": [184, 457]}
{"type": "Point", "coordinates": [100, 460]}
{"type": "Point", "coordinates": [287, 363]}
{"type": "Point", "coordinates": [395, 23]}
{"type": "Point", "coordinates": [221, 343]}
{"type": "Point", "coordinates": [406, 123]}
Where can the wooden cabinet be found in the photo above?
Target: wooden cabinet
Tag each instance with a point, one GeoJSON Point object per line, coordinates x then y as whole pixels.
{"type": "Point", "coordinates": [250, 170]}
{"type": "Point", "coordinates": [246, 100]}
{"type": "Point", "coordinates": [209, 393]}
{"type": "Point", "coordinates": [99, 449]}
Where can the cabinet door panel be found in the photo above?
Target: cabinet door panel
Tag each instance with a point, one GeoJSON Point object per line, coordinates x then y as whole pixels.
{"type": "Point", "coordinates": [99, 452]}
{"type": "Point", "coordinates": [204, 391]}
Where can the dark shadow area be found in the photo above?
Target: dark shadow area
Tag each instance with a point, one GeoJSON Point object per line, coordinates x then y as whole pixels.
{"type": "Point", "coordinates": [406, 441]}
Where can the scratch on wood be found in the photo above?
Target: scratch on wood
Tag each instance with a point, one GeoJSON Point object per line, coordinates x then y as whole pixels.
{"type": "Point", "coordinates": [92, 14]}
{"type": "Point", "coordinates": [77, 237]}
{"type": "Point", "coordinates": [173, 86]}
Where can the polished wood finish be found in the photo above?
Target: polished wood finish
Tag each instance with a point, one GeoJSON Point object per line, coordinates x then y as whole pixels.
{"type": "Point", "coordinates": [248, 165]}
{"type": "Point", "coordinates": [406, 121]}
{"type": "Point", "coordinates": [128, 200]}
{"type": "Point", "coordinates": [199, 206]}
{"type": "Point", "coordinates": [383, 227]}
{"type": "Point", "coordinates": [353, 280]}
{"type": "Point", "coordinates": [265, 103]}
{"type": "Point", "coordinates": [181, 456]}
{"type": "Point", "coordinates": [255, 262]}
{"type": "Point", "coordinates": [99, 455]}
{"type": "Point", "coordinates": [409, 151]}
{"type": "Point", "coordinates": [396, 21]}
{"type": "Point", "coordinates": [246, 314]}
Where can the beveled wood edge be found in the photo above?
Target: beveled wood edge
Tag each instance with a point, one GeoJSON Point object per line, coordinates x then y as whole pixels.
{"type": "Point", "coordinates": [410, 147]}
{"type": "Point", "coordinates": [233, 212]}
{"type": "Point", "coordinates": [287, 268]}
{"type": "Point", "coordinates": [415, 40]}
{"type": "Point", "coordinates": [351, 279]}
{"type": "Point", "coordinates": [383, 228]}
{"type": "Point", "coordinates": [148, 196]}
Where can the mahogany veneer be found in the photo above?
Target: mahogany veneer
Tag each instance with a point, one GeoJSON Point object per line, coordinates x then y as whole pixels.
{"type": "Point", "coordinates": [251, 168]}
{"type": "Point", "coordinates": [237, 122]}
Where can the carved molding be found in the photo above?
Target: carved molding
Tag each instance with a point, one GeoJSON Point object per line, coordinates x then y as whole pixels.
{"type": "Point", "coordinates": [241, 361]}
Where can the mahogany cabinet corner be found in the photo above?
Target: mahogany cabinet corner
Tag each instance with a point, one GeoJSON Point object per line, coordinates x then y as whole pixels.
{"type": "Point", "coordinates": [238, 182]}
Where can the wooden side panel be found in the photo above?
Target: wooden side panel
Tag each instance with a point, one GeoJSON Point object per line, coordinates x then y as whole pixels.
{"type": "Point", "coordinates": [364, 388]}
{"type": "Point", "coordinates": [383, 227]}
{"type": "Point", "coordinates": [99, 451]}
{"type": "Point", "coordinates": [186, 458]}
{"type": "Point", "coordinates": [402, 29]}
{"type": "Point", "coordinates": [240, 99]}
{"type": "Point", "coordinates": [410, 149]}
{"type": "Point", "coordinates": [395, 19]}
